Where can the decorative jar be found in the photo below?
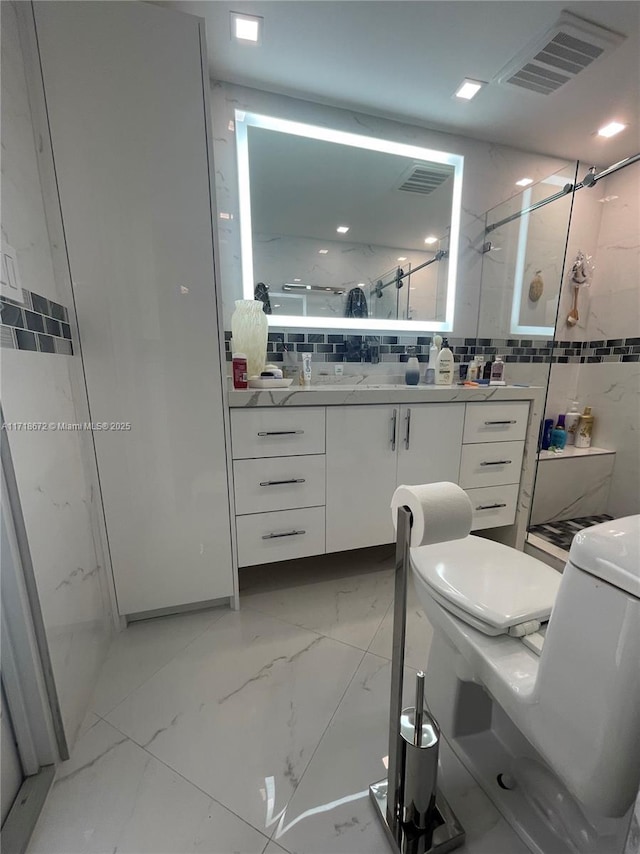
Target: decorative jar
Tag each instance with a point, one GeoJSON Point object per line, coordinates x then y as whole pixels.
{"type": "Point", "coordinates": [249, 329]}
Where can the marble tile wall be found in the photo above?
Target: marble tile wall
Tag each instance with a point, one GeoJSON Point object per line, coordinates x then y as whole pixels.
{"type": "Point", "coordinates": [490, 173]}
{"type": "Point", "coordinates": [58, 489]}
{"type": "Point", "coordinates": [606, 225]}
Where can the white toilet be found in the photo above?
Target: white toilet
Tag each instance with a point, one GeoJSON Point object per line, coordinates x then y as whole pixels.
{"type": "Point", "coordinates": [534, 678]}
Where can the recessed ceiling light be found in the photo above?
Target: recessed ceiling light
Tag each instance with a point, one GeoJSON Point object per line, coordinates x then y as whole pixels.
{"type": "Point", "coordinates": [431, 239]}
{"type": "Point", "coordinates": [524, 182]}
{"type": "Point", "coordinates": [402, 258]}
{"type": "Point", "coordinates": [323, 251]}
{"type": "Point", "coordinates": [246, 28]}
{"type": "Point", "coordinates": [469, 89]}
{"type": "Point", "coordinates": [297, 280]}
{"type": "Point", "coordinates": [342, 229]}
{"type": "Point", "coordinates": [611, 129]}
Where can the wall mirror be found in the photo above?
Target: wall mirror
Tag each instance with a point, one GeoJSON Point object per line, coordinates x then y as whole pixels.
{"type": "Point", "coordinates": [346, 231]}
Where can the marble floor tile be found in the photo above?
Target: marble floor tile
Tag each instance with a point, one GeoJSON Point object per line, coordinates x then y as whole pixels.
{"type": "Point", "coordinates": [348, 606]}
{"type": "Point", "coordinates": [142, 649]}
{"type": "Point", "coordinates": [418, 637]}
{"type": "Point", "coordinates": [112, 796]}
{"type": "Point", "coordinates": [240, 711]}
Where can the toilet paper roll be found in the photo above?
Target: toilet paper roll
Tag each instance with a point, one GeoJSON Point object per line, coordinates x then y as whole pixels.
{"type": "Point", "coordinates": [441, 512]}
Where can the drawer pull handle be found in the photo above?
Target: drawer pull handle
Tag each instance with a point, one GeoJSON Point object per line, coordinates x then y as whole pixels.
{"type": "Point", "coordinates": [407, 436]}
{"type": "Point", "coordinates": [490, 423]}
{"type": "Point", "coordinates": [280, 482]}
{"type": "Point", "coordinates": [286, 534]}
{"type": "Point", "coordinates": [497, 463]}
{"type": "Point", "coordinates": [281, 433]}
{"type": "Point", "coordinates": [489, 506]}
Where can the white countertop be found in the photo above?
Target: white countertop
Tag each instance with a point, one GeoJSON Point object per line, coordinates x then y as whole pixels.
{"type": "Point", "coordinates": [571, 452]}
{"type": "Point", "coordinates": [370, 393]}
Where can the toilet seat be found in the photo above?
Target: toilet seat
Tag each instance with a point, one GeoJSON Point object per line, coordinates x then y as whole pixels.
{"type": "Point", "coordinates": [492, 587]}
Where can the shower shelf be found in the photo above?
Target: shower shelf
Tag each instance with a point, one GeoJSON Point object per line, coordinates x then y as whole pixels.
{"type": "Point", "coordinates": [572, 452]}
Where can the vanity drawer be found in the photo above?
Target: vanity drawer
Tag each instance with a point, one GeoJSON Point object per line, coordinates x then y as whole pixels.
{"type": "Point", "coordinates": [493, 506]}
{"type": "Point", "coordinates": [496, 422]}
{"type": "Point", "coordinates": [277, 432]}
{"type": "Point", "coordinates": [286, 534]}
{"type": "Point", "coordinates": [491, 464]}
{"type": "Point", "coordinates": [279, 483]}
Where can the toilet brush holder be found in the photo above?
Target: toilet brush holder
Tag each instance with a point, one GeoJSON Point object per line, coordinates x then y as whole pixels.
{"type": "Point", "coordinates": [415, 815]}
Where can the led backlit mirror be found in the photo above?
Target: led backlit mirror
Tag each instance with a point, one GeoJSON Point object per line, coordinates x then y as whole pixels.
{"type": "Point", "coordinates": [347, 231]}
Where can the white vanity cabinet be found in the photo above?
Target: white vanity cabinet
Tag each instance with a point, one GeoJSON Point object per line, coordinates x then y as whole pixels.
{"type": "Point", "coordinates": [315, 479]}
{"type": "Point", "coordinates": [362, 443]}
{"type": "Point", "coordinates": [373, 449]}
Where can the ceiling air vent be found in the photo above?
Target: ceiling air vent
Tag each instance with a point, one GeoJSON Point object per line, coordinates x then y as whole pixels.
{"type": "Point", "coordinates": [556, 56]}
{"type": "Point", "coordinates": [425, 179]}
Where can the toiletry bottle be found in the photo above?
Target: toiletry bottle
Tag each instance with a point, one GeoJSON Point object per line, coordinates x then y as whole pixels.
{"type": "Point", "coordinates": [239, 367]}
{"type": "Point", "coordinates": [571, 420]}
{"type": "Point", "coordinates": [497, 372]}
{"type": "Point", "coordinates": [412, 372]}
{"type": "Point", "coordinates": [472, 373]}
{"type": "Point", "coordinates": [434, 349]}
{"type": "Point", "coordinates": [585, 429]}
{"type": "Point", "coordinates": [486, 370]}
{"type": "Point", "coordinates": [306, 369]}
{"type": "Point", "coordinates": [444, 367]}
{"type": "Point", "coordinates": [546, 434]}
{"type": "Point", "coordinates": [480, 362]}
{"type": "Point", "coordinates": [559, 434]}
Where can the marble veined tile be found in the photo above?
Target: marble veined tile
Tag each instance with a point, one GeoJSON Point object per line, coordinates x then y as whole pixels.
{"type": "Point", "coordinates": [346, 607]}
{"type": "Point", "coordinates": [240, 711]}
{"type": "Point", "coordinates": [143, 648]}
{"type": "Point", "coordinates": [112, 796]}
{"type": "Point", "coordinates": [418, 637]}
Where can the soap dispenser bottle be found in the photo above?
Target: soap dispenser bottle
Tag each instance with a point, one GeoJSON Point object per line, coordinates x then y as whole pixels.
{"type": "Point", "coordinates": [444, 368]}
{"type": "Point", "coordinates": [559, 434]}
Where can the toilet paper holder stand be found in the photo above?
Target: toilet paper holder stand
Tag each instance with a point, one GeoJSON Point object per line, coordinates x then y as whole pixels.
{"type": "Point", "coordinates": [443, 832]}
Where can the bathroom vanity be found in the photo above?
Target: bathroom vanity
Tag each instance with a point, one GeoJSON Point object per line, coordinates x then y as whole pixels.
{"type": "Point", "coordinates": [314, 469]}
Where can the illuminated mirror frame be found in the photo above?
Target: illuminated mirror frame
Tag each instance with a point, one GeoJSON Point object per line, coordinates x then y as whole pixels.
{"type": "Point", "coordinates": [516, 327]}
{"type": "Point", "coordinates": [244, 119]}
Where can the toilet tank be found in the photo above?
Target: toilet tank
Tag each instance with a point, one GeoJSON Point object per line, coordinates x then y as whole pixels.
{"type": "Point", "coordinates": [588, 685]}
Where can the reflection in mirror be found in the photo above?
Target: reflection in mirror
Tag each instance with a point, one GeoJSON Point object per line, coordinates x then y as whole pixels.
{"type": "Point", "coordinates": [346, 231]}
{"type": "Point", "coordinates": [523, 259]}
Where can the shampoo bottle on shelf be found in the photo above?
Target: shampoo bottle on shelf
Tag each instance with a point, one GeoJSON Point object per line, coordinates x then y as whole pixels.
{"type": "Point", "coordinates": [585, 429]}
{"type": "Point", "coordinates": [497, 372]}
{"type": "Point", "coordinates": [559, 434]}
{"type": "Point", "coordinates": [444, 367]}
{"type": "Point", "coordinates": [571, 420]}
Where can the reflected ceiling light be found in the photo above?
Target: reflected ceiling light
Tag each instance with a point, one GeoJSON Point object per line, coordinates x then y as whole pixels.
{"type": "Point", "coordinates": [402, 258]}
{"type": "Point", "coordinates": [430, 239]}
{"type": "Point", "coordinates": [342, 229]}
{"type": "Point", "coordinates": [469, 88]}
{"type": "Point", "coordinates": [611, 129]}
{"type": "Point", "coordinates": [608, 198]}
{"type": "Point", "coordinates": [323, 251]}
{"type": "Point", "coordinates": [524, 182]}
{"type": "Point", "coordinates": [246, 28]}
{"type": "Point", "coordinates": [297, 280]}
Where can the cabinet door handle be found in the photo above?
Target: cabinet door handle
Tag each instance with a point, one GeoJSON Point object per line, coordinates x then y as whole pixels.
{"type": "Point", "coordinates": [489, 423]}
{"type": "Point", "coordinates": [489, 506]}
{"type": "Point", "coordinates": [407, 435]}
{"type": "Point", "coordinates": [285, 534]}
{"type": "Point", "coordinates": [394, 424]}
{"type": "Point", "coordinates": [497, 463]}
{"type": "Point", "coordinates": [280, 482]}
{"type": "Point", "coordinates": [281, 433]}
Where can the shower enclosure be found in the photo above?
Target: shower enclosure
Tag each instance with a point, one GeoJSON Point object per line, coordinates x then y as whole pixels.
{"type": "Point", "coordinates": [577, 336]}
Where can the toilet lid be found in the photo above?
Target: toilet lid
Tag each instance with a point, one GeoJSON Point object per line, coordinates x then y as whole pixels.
{"type": "Point", "coordinates": [491, 583]}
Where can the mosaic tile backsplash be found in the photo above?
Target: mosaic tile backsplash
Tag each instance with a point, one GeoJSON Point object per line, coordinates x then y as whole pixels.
{"type": "Point", "coordinates": [39, 324]}
{"type": "Point", "coordinates": [327, 347]}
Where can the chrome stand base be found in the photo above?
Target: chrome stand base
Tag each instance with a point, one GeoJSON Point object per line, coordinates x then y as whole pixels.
{"type": "Point", "coordinates": [445, 834]}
